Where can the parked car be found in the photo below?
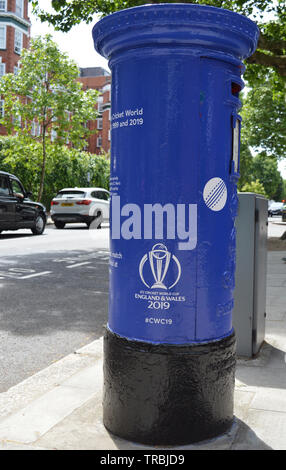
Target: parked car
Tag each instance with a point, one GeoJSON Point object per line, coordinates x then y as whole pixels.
{"type": "Point", "coordinates": [284, 213]}
{"type": "Point", "coordinates": [72, 205]}
{"type": "Point", "coordinates": [275, 209]}
{"type": "Point", "coordinates": [17, 210]}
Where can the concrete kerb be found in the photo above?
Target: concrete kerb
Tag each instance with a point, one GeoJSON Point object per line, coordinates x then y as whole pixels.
{"type": "Point", "coordinates": [18, 404]}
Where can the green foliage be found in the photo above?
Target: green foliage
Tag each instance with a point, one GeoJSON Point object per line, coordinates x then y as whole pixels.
{"type": "Point", "coordinates": [246, 160]}
{"type": "Point", "coordinates": [47, 86]}
{"type": "Point", "coordinates": [264, 118]}
{"type": "Point", "coordinates": [254, 187]}
{"type": "Point", "coordinates": [262, 169]}
{"type": "Point", "coordinates": [265, 170]}
{"type": "Point", "coordinates": [284, 191]}
{"type": "Point", "coordinates": [264, 131]}
{"type": "Point", "coordinates": [45, 93]}
{"type": "Point", "coordinates": [67, 13]}
{"type": "Point", "coordinates": [66, 167]}
{"type": "Point", "coordinates": [272, 43]}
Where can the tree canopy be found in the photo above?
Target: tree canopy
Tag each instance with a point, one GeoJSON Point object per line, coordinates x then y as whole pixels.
{"type": "Point", "coordinates": [264, 119]}
{"type": "Point", "coordinates": [270, 17]}
{"type": "Point", "coordinates": [45, 102]}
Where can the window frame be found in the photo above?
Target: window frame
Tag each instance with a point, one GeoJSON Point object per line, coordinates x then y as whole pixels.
{"type": "Point", "coordinates": [23, 192]}
{"type": "Point", "coordinates": [2, 108]}
{"type": "Point", "coordinates": [99, 141]}
{"type": "Point", "coordinates": [16, 69]}
{"type": "Point", "coordinates": [18, 31]}
{"type": "Point", "coordinates": [21, 8]}
{"type": "Point", "coordinates": [100, 104]}
{"type": "Point", "coordinates": [101, 192]}
{"type": "Point", "coordinates": [100, 123]}
{"type": "Point", "coordinates": [3, 67]}
{"type": "Point", "coordinates": [2, 47]}
{"type": "Point", "coordinates": [5, 8]}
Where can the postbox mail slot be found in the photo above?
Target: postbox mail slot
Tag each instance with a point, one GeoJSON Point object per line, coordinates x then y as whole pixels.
{"type": "Point", "coordinates": [235, 145]}
{"type": "Point", "coordinates": [235, 89]}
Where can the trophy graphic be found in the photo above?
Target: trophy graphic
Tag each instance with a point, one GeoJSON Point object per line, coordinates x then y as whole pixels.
{"type": "Point", "coordinates": [159, 260]}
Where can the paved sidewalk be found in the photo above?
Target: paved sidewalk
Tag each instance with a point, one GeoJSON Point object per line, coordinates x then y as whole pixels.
{"type": "Point", "coordinates": [60, 407]}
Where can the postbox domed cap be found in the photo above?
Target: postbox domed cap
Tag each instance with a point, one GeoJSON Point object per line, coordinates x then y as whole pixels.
{"type": "Point", "coordinates": [165, 24]}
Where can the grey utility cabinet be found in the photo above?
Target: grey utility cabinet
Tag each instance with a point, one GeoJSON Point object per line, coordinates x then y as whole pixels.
{"type": "Point", "coordinates": [251, 270]}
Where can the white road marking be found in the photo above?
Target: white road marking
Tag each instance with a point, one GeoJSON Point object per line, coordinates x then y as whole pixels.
{"type": "Point", "coordinates": [77, 265]}
{"type": "Point", "coordinates": [35, 275]}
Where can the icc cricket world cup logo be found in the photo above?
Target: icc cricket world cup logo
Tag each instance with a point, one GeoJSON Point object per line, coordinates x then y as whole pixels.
{"type": "Point", "coordinates": [160, 260]}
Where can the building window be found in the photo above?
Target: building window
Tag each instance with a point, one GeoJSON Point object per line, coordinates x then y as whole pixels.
{"type": "Point", "coordinates": [2, 110]}
{"type": "Point", "coordinates": [2, 69]}
{"type": "Point", "coordinates": [19, 8]}
{"type": "Point", "coordinates": [54, 135]}
{"type": "Point", "coordinates": [16, 70]}
{"type": "Point", "coordinates": [2, 37]}
{"type": "Point", "coordinates": [18, 41]}
{"type": "Point", "coordinates": [35, 129]}
{"type": "Point", "coordinates": [99, 141]}
{"type": "Point", "coordinates": [99, 123]}
{"type": "Point", "coordinates": [100, 104]}
{"type": "Point", "coordinates": [17, 121]}
{"type": "Point", "coordinates": [3, 5]}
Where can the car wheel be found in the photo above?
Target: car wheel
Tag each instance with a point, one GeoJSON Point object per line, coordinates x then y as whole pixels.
{"type": "Point", "coordinates": [40, 225]}
{"type": "Point", "coordinates": [60, 225]}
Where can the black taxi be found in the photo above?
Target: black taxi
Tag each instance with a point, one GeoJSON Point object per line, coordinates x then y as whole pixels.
{"type": "Point", "coordinates": [17, 210]}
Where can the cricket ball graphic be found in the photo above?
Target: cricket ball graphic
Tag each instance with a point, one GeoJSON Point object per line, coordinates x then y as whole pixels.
{"type": "Point", "coordinates": [215, 194]}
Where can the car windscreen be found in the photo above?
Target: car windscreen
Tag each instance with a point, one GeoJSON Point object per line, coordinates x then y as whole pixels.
{"type": "Point", "coordinates": [70, 194]}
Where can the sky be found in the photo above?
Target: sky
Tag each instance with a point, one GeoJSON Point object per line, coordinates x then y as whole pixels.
{"type": "Point", "coordinates": [78, 43]}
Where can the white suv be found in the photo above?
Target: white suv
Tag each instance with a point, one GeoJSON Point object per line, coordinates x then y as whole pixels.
{"type": "Point", "coordinates": [80, 205]}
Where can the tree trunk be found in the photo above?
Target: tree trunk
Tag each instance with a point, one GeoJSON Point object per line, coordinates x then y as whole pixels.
{"type": "Point", "coordinates": [43, 170]}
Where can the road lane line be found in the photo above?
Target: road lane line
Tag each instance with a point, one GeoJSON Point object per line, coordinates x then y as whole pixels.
{"type": "Point", "coordinates": [77, 265]}
{"type": "Point", "coordinates": [35, 275]}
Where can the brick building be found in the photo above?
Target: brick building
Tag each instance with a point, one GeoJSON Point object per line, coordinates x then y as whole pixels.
{"type": "Point", "coordinates": [14, 36]}
{"type": "Point", "coordinates": [99, 79]}
{"type": "Point", "coordinates": [15, 28]}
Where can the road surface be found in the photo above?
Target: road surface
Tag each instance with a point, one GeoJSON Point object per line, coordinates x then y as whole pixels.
{"type": "Point", "coordinates": [53, 297]}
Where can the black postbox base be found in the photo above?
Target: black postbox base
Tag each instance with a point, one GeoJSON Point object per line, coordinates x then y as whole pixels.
{"type": "Point", "coordinates": [168, 394]}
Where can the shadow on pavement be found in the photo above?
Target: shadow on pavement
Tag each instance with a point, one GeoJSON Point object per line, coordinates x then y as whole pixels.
{"type": "Point", "coordinates": [240, 437]}
{"type": "Point", "coordinates": [7, 236]}
{"type": "Point", "coordinates": [267, 369]}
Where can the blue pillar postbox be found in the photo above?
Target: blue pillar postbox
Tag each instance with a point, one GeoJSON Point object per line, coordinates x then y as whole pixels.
{"type": "Point", "coordinates": [169, 348]}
